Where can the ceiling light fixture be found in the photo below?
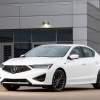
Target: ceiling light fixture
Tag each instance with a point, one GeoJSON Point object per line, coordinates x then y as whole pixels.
{"type": "Point", "coordinates": [46, 24]}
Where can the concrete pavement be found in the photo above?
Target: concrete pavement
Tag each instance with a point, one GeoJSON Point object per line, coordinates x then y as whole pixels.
{"type": "Point", "coordinates": [30, 93]}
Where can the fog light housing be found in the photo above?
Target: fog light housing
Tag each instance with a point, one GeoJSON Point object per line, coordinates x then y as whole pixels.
{"type": "Point", "coordinates": [40, 78]}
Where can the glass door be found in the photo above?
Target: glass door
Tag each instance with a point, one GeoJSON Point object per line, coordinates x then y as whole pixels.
{"type": "Point", "coordinates": [8, 51]}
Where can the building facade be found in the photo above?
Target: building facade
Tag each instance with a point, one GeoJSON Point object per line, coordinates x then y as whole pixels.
{"type": "Point", "coordinates": [71, 21]}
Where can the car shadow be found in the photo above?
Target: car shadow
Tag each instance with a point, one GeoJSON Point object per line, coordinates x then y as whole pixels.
{"type": "Point", "coordinates": [78, 89]}
{"type": "Point", "coordinates": [46, 90]}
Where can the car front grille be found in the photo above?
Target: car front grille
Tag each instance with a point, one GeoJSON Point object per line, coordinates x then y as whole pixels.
{"type": "Point", "coordinates": [16, 69]}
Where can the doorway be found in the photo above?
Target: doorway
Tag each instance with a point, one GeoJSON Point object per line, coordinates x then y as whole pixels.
{"type": "Point", "coordinates": [7, 51]}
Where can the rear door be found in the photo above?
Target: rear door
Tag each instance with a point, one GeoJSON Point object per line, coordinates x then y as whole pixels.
{"type": "Point", "coordinates": [91, 64]}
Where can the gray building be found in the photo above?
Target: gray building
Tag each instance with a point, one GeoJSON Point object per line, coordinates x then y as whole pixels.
{"type": "Point", "coordinates": [70, 21]}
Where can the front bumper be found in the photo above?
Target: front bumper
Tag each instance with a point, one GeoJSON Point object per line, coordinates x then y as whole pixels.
{"type": "Point", "coordinates": [26, 78]}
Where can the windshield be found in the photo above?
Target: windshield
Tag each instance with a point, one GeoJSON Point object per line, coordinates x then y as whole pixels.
{"type": "Point", "coordinates": [48, 51]}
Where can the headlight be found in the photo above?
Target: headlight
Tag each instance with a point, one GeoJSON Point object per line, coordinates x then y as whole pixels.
{"type": "Point", "coordinates": [1, 65]}
{"type": "Point", "coordinates": [42, 66]}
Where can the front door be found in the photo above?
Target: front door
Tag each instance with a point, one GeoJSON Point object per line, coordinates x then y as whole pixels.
{"type": "Point", "coordinates": [8, 51]}
{"type": "Point", "coordinates": [77, 68]}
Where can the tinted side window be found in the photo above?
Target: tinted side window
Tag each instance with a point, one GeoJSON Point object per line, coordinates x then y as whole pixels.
{"type": "Point", "coordinates": [78, 51]}
{"type": "Point", "coordinates": [88, 52]}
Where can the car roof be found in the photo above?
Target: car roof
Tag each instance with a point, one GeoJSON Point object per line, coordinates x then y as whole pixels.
{"type": "Point", "coordinates": [72, 45]}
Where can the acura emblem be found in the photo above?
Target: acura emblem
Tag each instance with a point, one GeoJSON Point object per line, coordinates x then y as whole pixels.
{"type": "Point", "coordinates": [14, 69]}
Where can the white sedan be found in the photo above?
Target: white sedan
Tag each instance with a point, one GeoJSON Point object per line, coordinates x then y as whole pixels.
{"type": "Point", "coordinates": [53, 67]}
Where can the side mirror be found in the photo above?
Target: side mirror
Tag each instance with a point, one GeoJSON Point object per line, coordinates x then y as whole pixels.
{"type": "Point", "coordinates": [73, 56]}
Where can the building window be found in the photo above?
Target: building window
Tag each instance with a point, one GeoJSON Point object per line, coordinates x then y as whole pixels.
{"type": "Point", "coordinates": [24, 38]}
{"type": "Point", "coordinates": [6, 36]}
{"type": "Point", "coordinates": [58, 35]}
{"type": "Point", "coordinates": [65, 35]}
{"type": "Point", "coordinates": [21, 48]}
{"type": "Point", "coordinates": [22, 35]}
{"type": "Point", "coordinates": [43, 35]}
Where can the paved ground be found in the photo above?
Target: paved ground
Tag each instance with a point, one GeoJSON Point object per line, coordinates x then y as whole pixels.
{"type": "Point", "coordinates": [76, 93]}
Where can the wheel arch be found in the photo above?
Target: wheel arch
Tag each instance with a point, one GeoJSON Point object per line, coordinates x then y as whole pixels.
{"type": "Point", "coordinates": [98, 76]}
{"type": "Point", "coordinates": [62, 70]}
{"type": "Point", "coordinates": [64, 73]}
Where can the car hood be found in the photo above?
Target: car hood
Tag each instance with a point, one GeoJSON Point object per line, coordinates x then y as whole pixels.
{"type": "Point", "coordinates": [31, 61]}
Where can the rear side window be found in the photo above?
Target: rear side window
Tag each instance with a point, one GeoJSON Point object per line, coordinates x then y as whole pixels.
{"type": "Point", "coordinates": [88, 52]}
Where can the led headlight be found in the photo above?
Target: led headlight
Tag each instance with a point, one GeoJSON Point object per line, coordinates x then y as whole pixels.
{"type": "Point", "coordinates": [48, 66]}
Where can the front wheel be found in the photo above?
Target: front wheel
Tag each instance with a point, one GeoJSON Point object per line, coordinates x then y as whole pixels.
{"type": "Point", "coordinates": [59, 80]}
{"type": "Point", "coordinates": [11, 87]}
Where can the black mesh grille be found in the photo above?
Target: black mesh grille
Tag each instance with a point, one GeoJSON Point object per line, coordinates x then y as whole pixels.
{"type": "Point", "coordinates": [16, 69]}
{"type": "Point", "coordinates": [14, 80]}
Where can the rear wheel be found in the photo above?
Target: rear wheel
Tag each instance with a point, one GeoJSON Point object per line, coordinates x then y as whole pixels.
{"type": "Point", "coordinates": [97, 84]}
{"type": "Point", "coordinates": [11, 87]}
{"type": "Point", "coordinates": [59, 80]}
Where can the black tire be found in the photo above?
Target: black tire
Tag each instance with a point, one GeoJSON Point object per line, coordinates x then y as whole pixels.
{"type": "Point", "coordinates": [59, 80]}
{"type": "Point", "coordinates": [97, 84]}
{"type": "Point", "coordinates": [11, 87]}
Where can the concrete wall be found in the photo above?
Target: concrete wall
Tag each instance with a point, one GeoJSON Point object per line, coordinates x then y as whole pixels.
{"type": "Point", "coordinates": [94, 2]}
{"type": "Point", "coordinates": [80, 22]}
{"type": "Point", "coordinates": [93, 24]}
{"type": "Point", "coordinates": [9, 16]}
{"type": "Point", "coordinates": [29, 1]}
{"type": "Point", "coordinates": [15, 14]}
{"type": "Point", "coordinates": [32, 15]}
{"type": "Point", "coordinates": [58, 14]}
{"type": "Point", "coordinates": [84, 23]}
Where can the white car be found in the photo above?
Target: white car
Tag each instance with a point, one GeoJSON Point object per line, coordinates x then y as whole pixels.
{"type": "Point", "coordinates": [53, 67]}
